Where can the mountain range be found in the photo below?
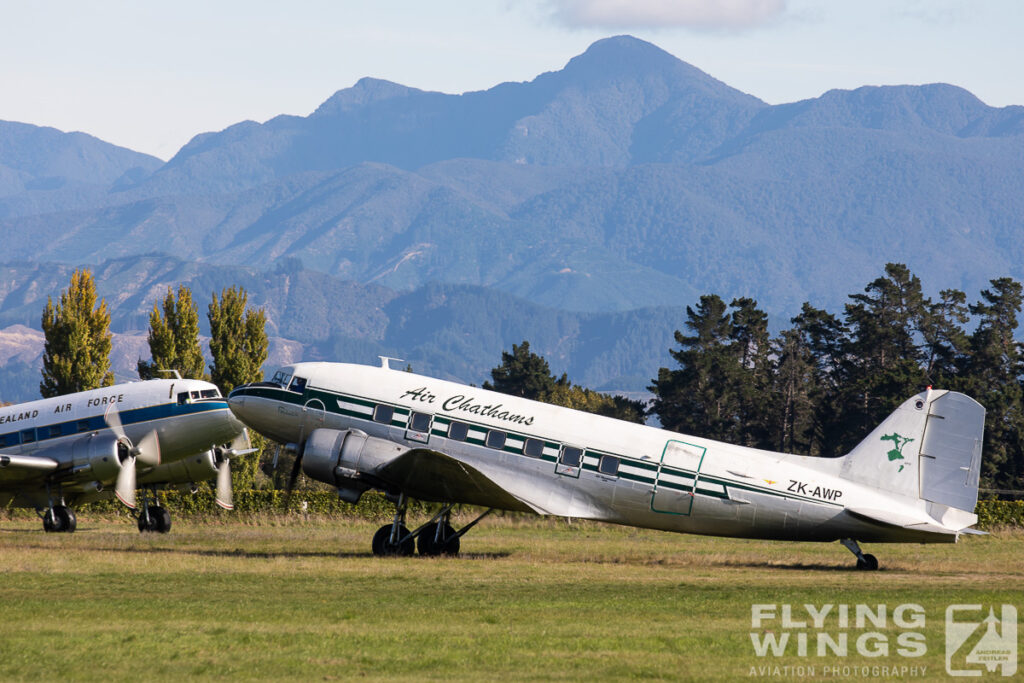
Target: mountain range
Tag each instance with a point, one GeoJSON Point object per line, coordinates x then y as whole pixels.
{"type": "Point", "coordinates": [625, 184]}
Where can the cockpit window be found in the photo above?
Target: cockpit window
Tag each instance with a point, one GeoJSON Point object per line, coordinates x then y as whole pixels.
{"type": "Point", "coordinates": [298, 385]}
{"type": "Point", "coordinates": [211, 393]}
{"type": "Point", "coordinates": [281, 378]}
{"type": "Point", "coordinates": [183, 398]}
{"type": "Point", "coordinates": [196, 395]}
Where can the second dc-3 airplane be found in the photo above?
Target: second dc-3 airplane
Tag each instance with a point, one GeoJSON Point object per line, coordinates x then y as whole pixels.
{"type": "Point", "coordinates": [913, 479]}
{"type": "Point", "coordinates": [59, 452]}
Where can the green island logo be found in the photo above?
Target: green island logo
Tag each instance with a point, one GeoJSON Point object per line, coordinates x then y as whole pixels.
{"type": "Point", "coordinates": [896, 453]}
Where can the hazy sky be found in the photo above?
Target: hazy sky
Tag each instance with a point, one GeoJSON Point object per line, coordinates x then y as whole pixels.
{"type": "Point", "coordinates": [150, 75]}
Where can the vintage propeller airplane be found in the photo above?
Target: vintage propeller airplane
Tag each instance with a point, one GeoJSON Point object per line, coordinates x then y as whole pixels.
{"type": "Point", "coordinates": [356, 427]}
{"type": "Point", "coordinates": [58, 452]}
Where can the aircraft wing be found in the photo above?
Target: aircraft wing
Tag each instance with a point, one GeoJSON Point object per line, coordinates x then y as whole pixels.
{"type": "Point", "coordinates": [430, 475]}
{"type": "Point", "coordinates": [18, 468]}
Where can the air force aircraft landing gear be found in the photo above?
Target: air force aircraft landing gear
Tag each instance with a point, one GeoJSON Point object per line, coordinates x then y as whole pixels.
{"type": "Point", "coordinates": [436, 537]}
{"type": "Point", "coordinates": [59, 518]}
{"type": "Point", "coordinates": [153, 517]}
{"type": "Point", "coordinates": [867, 562]}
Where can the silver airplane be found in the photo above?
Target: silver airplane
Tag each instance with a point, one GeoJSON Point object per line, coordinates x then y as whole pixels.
{"type": "Point", "coordinates": [56, 453]}
{"type": "Point", "coordinates": [356, 427]}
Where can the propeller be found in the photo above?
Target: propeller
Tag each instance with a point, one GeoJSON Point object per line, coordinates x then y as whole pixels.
{"type": "Point", "coordinates": [292, 478]}
{"type": "Point", "coordinates": [240, 446]}
{"type": "Point", "coordinates": [147, 450]}
{"type": "Point", "coordinates": [224, 497]}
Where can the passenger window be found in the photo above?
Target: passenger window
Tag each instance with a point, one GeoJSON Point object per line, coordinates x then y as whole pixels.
{"type": "Point", "coordinates": [83, 425]}
{"type": "Point", "coordinates": [298, 385]}
{"type": "Point", "coordinates": [571, 456]}
{"type": "Point", "coordinates": [419, 422]}
{"type": "Point", "coordinates": [495, 439]}
{"type": "Point", "coordinates": [54, 431]}
{"type": "Point", "coordinates": [458, 431]}
{"type": "Point", "coordinates": [28, 435]}
{"type": "Point", "coordinates": [3, 440]}
{"type": "Point", "coordinates": [533, 448]}
{"type": "Point", "coordinates": [383, 414]}
{"type": "Point", "coordinates": [608, 464]}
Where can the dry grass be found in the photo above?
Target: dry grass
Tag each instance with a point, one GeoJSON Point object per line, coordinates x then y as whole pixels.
{"type": "Point", "coordinates": [281, 598]}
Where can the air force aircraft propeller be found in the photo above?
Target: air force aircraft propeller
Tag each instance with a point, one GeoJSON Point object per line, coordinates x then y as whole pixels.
{"type": "Point", "coordinates": [56, 453]}
{"type": "Point", "coordinates": [913, 479]}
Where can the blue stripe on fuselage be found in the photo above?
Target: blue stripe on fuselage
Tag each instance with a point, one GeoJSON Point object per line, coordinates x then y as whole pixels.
{"type": "Point", "coordinates": [128, 417]}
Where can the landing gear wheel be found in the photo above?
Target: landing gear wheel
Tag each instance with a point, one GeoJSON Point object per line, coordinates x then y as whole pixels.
{"type": "Point", "coordinates": [60, 519]}
{"type": "Point", "coordinates": [869, 563]}
{"type": "Point", "coordinates": [148, 522]}
{"type": "Point", "coordinates": [383, 547]}
{"type": "Point", "coordinates": [431, 545]}
{"type": "Point", "coordinates": [161, 519]}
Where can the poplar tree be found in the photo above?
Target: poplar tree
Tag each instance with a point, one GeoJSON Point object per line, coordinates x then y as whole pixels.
{"type": "Point", "coordinates": [238, 344]}
{"type": "Point", "coordinates": [238, 340]}
{"type": "Point", "coordinates": [174, 338]}
{"type": "Point", "coordinates": [76, 351]}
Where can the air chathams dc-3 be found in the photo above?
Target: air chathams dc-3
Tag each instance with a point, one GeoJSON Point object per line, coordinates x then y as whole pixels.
{"type": "Point", "coordinates": [913, 479]}
{"type": "Point", "coordinates": [58, 452]}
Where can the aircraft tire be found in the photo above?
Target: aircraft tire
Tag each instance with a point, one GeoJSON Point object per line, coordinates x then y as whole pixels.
{"type": "Point", "coordinates": [869, 563]}
{"type": "Point", "coordinates": [147, 525]}
{"type": "Point", "coordinates": [59, 520]}
{"type": "Point", "coordinates": [161, 518]}
{"type": "Point", "coordinates": [67, 516]}
{"type": "Point", "coordinates": [383, 548]}
{"type": "Point", "coordinates": [449, 546]}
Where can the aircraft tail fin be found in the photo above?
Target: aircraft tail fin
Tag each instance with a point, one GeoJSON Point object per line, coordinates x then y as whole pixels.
{"type": "Point", "coordinates": [928, 448]}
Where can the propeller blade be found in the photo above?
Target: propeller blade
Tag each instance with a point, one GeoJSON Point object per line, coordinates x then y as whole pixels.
{"type": "Point", "coordinates": [113, 420]}
{"type": "Point", "coordinates": [125, 487]}
{"type": "Point", "coordinates": [148, 450]}
{"type": "Point", "coordinates": [224, 497]}
{"type": "Point", "coordinates": [292, 478]}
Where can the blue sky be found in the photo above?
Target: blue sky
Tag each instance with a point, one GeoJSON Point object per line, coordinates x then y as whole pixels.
{"type": "Point", "coordinates": [150, 75]}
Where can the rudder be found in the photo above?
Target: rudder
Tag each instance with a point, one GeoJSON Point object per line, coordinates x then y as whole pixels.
{"type": "Point", "coordinates": [929, 448]}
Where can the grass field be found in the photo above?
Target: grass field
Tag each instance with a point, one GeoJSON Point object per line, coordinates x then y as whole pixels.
{"type": "Point", "coordinates": [543, 599]}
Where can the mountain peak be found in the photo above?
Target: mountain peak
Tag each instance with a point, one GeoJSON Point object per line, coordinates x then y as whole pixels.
{"type": "Point", "coordinates": [365, 91]}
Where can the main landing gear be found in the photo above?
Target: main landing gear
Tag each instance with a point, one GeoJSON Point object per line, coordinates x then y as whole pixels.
{"type": "Point", "coordinates": [436, 537]}
{"type": "Point", "coordinates": [153, 518]}
{"type": "Point", "coordinates": [59, 519]}
{"type": "Point", "coordinates": [865, 562]}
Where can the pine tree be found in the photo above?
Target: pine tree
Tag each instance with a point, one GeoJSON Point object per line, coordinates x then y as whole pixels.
{"type": "Point", "coordinates": [700, 396]}
{"type": "Point", "coordinates": [174, 338]}
{"type": "Point", "coordinates": [76, 352]}
{"type": "Point", "coordinates": [883, 362]}
{"type": "Point", "coordinates": [755, 373]}
{"type": "Point", "coordinates": [824, 338]}
{"type": "Point", "coordinates": [522, 373]}
{"type": "Point", "coordinates": [992, 377]}
{"type": "Point", "coordinates": [238, 340]}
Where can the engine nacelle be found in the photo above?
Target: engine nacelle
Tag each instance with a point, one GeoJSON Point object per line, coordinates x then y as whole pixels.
{"type": "Point", "coordinates": [97, 457]}
{"type": "Point", "coordinates": [340, 458]}
{"type": "Point", "coordinates": [199, 467]}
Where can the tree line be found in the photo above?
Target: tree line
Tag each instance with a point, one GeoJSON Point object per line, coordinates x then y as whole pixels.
{"type": "Point", "coordinates": [816, 388]}
{"type": "Point", "coordinates": [820, 386]}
